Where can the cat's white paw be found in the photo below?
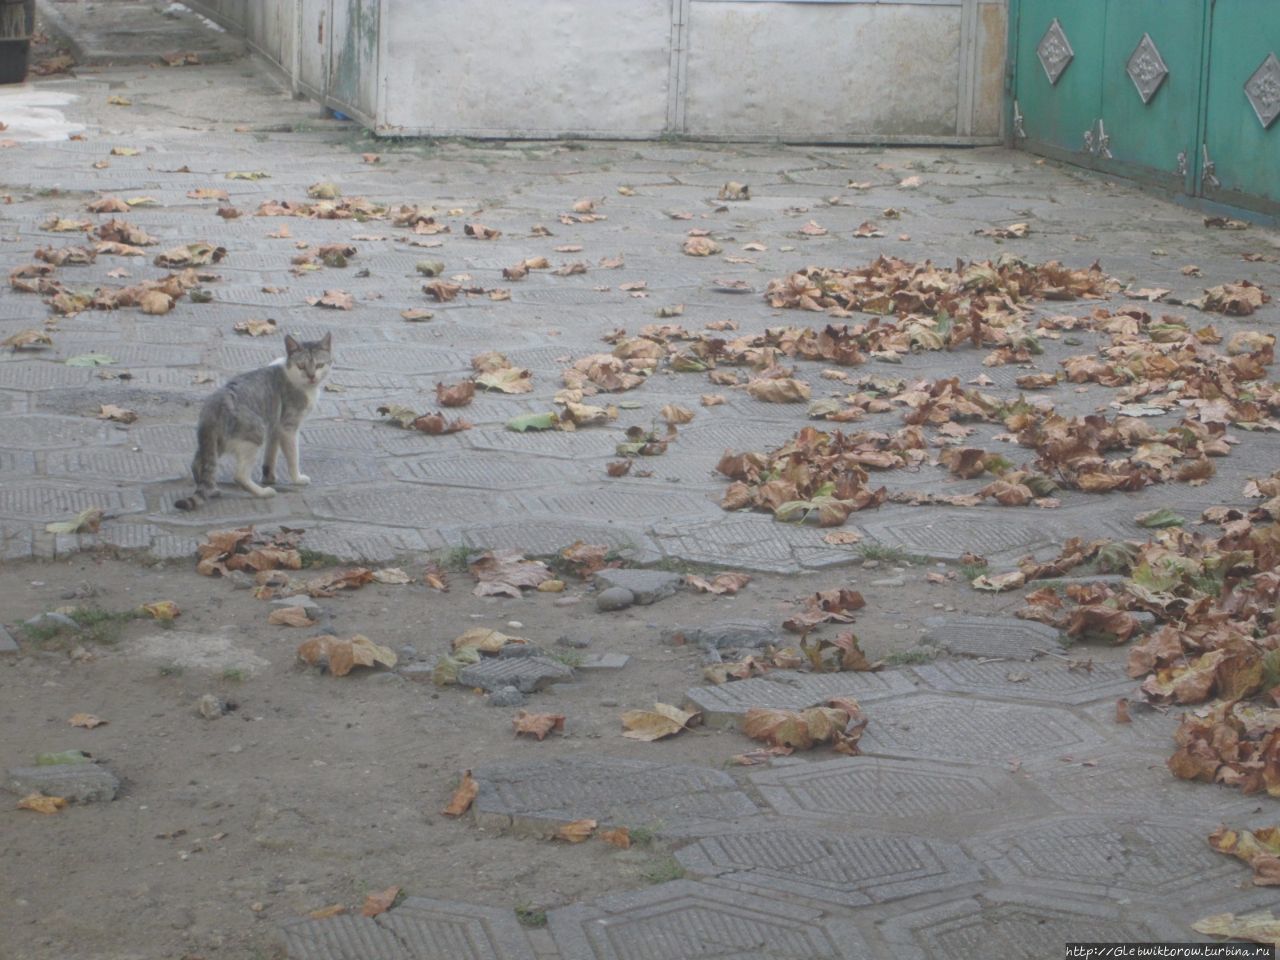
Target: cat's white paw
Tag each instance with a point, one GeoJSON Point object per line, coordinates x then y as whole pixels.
{"type": "Point", "coordinates": [265, 492]}
{"type": "Point", "coordinates": [302, 480]}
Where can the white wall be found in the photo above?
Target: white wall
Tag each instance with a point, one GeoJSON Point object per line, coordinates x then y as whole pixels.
{"type": "Point", "coordinates": [797, 70]}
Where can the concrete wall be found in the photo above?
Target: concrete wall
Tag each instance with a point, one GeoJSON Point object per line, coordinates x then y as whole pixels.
{"type": "Point", "coordinates": [798, 70]}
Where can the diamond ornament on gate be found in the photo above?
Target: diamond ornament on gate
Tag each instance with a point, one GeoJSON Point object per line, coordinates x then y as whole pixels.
{"type": "Point", "coordinates": [1146, 68]}
{"type": "Point", "coordinates": [1054, 51]}
{"type": "Point", "coordinates": [1263, 90]}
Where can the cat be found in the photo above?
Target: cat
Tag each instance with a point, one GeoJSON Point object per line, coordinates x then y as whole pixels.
{"type": "Point", "coordinates": [263, 407]}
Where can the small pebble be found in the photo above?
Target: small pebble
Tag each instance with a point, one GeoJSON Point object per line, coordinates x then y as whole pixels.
{"type": "Point", "coordinates": [870, 564]}
{"type": "Point", "coordinates": [514, 624]}
{"type": "Point", "coordinates": [938, 606]}
{"type": "Point", "coordinates": [614, 598]}
{"type": "Point", "coordinates": [506, 697]}
{"type": "Point", "coordinates": [564, 640]}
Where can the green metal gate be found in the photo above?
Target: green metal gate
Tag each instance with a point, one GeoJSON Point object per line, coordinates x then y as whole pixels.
{"type": "Point", "coordinates": [1182, 94]}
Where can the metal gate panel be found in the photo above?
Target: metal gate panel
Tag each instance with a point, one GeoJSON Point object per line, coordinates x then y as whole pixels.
{"type": "Point", "coordinates": [353, 58]}
{"type": "Point", "coordinates": [1058, 83]}
{"type": "Point", "coordinates": [1242, 126]}
{"type": "Point", "coordinates": [1151, 73]}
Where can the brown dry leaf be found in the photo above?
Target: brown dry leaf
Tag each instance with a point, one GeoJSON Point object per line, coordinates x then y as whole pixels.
{"type": "Point", "coordinates": [664, 720]}
{"type": "Point", "coordinates": [1260, 927]}
{"type": "Point", "coordinates": [576, 831]}
{"type": "Point", "coordinates": [341, 656]}
{"type": "Point", "coordinates": [255, 327]}
{"type": "Point", "coordinates": [325, 913]}
{"type": "Point", "coordinates": [618, 468]}
{"type": "Point", "coordinates": [479, 231]}
{"type": "Point", "coordinates": [41, 804]}
{"type": "Point", "coordinates": [197, 254]}
{"type": "Point", "coordinates": [586, 558]}
{"type": "Point", "coordinates": [727, 582]}
{"type": "Point", "coordinates": [107, 205]}
{"type": "Point", "coordinates": [701, 247]}
{"type": "Point", "coordinates": [463, 796]}
{"type": "Point", "coordinates": [380, 902]}
{"type": "Point", "coordinates": [27, 340]}
{"type": "Point", "coordinates": [618, 836]}
{"type": "Point", "coordinates": [86, 720]}
{"type": "Point", "coordinates": [455, 394]}
{"type": "Point", "coordinates": [672, 413]}
{"type": "Point", "coordinates": [506, 380]}
{"type": "Point", "coordinates": [841, 537]}
{"type": "Point", "coordinates": [813, 229]}
{"type": "Point", "coordinates": [506, 573]}
{"type": "Point", "coordinates": [711, 399]}
{"type": "Point", "coordinates": [1122, 711]}
{"type": "Point", "coordinates": [162, 610]}
{"type": "Point", "coordinates": [155, 302]}
{"type": "Point", "coordinates": [1259, 848]}
{"type": "Point", "coordinates": [109, 411]}
{"type": "Point", "coordinates": [435, 577]}
{"type": "Point", "coordinates": [779, 390]}
{"type": "Point", "coordinates": [416, 314]}
{"type": "Point", "coordinates": [291, 617]}
{"type": "Point", "coordinates": [208, 193]}
{"type": "Point", "coordinates": [537, 724]}
{"type": "Point", "coordinates": [334, 300]}
{"type": "Point", "coordinates": [371, 157]}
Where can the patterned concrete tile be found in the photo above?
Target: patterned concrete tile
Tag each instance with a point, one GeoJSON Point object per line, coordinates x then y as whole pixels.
{"type": "Point", "coordinates": [1113, 857]}
{"type": "Point", "coordinates": [120, 464]}
{"type": "Point", "coordinates": [933, 726]}
{"type": "Point", "coordinates": [41, 375]}
{"type": "Point", "coordinates": [417, 929]}
{"type": "Point", "coordinates": [40, 432]}
{"type": "Point", "coordinates": [750, 541]}
{"type": "Point", "coordinates": [672, 799]}
{"type": "Point", "coordinates": [1013, 926]}
{"type": "Point", "coordinates": [684, 919]}
{"type": "Point", "coordinates": [1046, 680]}
{"type": "Point", "coordinates": [948, 536]}
{"type": "Point", "coordinates": [405, 358]}
{"type": "Point", "coordinates": [483, 471]}
{"type": "Point", "coordinates": [369, 543]}
{"type": "Point", "coordinates": [420, 508]}
{"type": "Point", "coordinates": [848, 870]}
{"type": "Point", "coordinates": [926, 797]}
{"type": "Point", "coordinates": [791, 690]}
{"type": "Point", "coordinates": [17, 463]}
{"type": "Point", "coordinates": [619, 503]}
{"type": "Point", "coordinates": [580, 444]}
{"type": "Point", "coordinates": [991, 636]}
{"type": "Point", "coordinates": [43, 501]}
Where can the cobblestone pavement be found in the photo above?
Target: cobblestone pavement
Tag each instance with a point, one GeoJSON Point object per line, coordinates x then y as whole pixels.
{"type": "Point", "coordinates": [986, 816]}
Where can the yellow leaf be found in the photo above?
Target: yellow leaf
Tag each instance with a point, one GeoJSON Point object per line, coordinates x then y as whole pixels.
{"type": "Point", "coordinates": [537, 724]}
{"type": "Point", "coordinates": [663, 720]}
{"type": "Point", "coordinates": [485, 640]}
{"type": "Point", "coordinates": [576, 831]}
{"type": "Point", "coordinates": [675, 414]}
{"type": "Point", "coordinates": [109, 411]}
{"type": "Point", "coordinates": [342, 656]}
{"type": "Point", "coordinates": [86, 720]}
{"type": "Point", "coordinates": [619, 837]}
{"type": "Point", "coordinates": [161, 610]}
{"type": "Point", "coordinates": [41, 804]}
{"type": "Point", "coordinates": [1260, 927]}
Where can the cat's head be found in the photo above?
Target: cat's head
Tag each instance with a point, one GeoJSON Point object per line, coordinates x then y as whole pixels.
{"type": "Point", "coordinates": [307, 362]}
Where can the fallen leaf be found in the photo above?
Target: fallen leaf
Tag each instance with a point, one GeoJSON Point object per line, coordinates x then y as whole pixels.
{"type": "Point", "coordinates": [779, 390]}
{"type": "Point", "coordinates": [248, 175]}
{"type": "Point", "coordinates": [86, 720]}
{"type": "Point", "coordinates": [255, 327]}
{"type": "Point", "coordinates": [162, 610]}
{"type": "Point", "coordinates": [727, 582]}
{"type": "Point", "coordinates": [380, 902]}
{"type": "Point", "coordinates": [672, 413]}
{"type": "Point", "coordinates": [576, 831]}
{"type": "Point", "coordinates": [341, 656]}
{"type": "Point", "coordinates": [41, 804]}
{"type": "Point", "coordinates": [701, 247]}
{"type": "Point", "coordinates": [27, 340]}
{"type": "Point", "coordinates": [1260, 927]}
{"type": "Point", "coordinates": [537, 724]}
{"type": "Point", "coordinates": [291, 617]}
{"type": "Point", "coordinates": [663, 720]}
{"type": "Point", "coordinates": [479, 231]}
{"type": "Point", "coordinates": [618, 837]}
{"type": "Point", "coordinates": [462, 796]}
{"type": "Point", "coordinates": [86, 521]}
{"type": "Point", "coordinates": [325, 913]}
{"type": "Point", "coordinates": [109, 411]}
{"type": "Point", "coordinates": [333, 299]}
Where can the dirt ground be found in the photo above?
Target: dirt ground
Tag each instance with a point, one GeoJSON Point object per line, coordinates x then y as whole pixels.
{"type": "Point", "coordinates": [315, 790]}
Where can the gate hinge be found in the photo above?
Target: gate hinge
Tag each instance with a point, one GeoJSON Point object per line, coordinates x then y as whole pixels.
{"type": "Point", "coordinates": [1182, 167]}
{"type": "Point", "coordinates": [1099, 146]}
{"type": "Point", "coordinates": [1019, 131]}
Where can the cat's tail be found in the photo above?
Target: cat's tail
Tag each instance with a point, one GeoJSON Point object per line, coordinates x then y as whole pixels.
{"type": "Point", "coordinates": [204, 468]}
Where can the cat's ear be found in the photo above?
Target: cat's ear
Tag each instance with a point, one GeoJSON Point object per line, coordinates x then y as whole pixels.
{"type": "Point", "coordinates": [291, 346]}
{"type": "Point", "coordinates": [326, 342]}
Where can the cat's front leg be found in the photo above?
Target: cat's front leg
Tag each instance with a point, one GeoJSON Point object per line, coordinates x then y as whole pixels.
{"type": "Point", "coordinates": [289, 444]}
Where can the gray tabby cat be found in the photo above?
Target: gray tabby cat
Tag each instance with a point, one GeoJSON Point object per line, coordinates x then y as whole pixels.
{"type": "Point", "coordinates": [261, 407]}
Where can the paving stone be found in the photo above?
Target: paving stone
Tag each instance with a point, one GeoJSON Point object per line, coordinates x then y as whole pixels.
{"type": "Point", "coordinates": [926, 797]}
{"type": "Point", "coordinates": [685, 919]}
{"type": "Point", "coordinates": [949, 536]}
{"type": "Point", "coordinates": [539, 796]}
{"type": "Point", "coordinates": [368, 543]}
{"type": "Point", "coordinates": [938, 727]}
{"type": "Point", "coordinates": [848, 870]}
{"type": "Point", "coordinates": [605, 661]}
{"type": "Point", "coordinates": [1047, 680]}
{"type": "Point", "coordinates": [403, 507]}
{"type": "Point", "coordinates": [614, 598]}
{"type": "Point", "coordinates": [7, 643]}
{"type": "Point", "coordinates": [17, 462]}
{"type": "Point", "coordinates": [527, 674]}
{"type": "Point", "coordinates": [1114, 857]}
{"type": "Point", "coordinates": [45, 501]}
{"type": "Point", "coordinates": [481, 470]}
{"type": "Point", "coordinates": [749, 542]}
{"type": "Point", "coordinates": [1131, 779]}
{"type": "Point", "coordinates": [117, 463]}
{"type": "Point", "coordinates": [37, 432]}
{"type": "Point", "coordinates": [654, 505]}
{"type": "Point", "coordinates": [726, 634]}
{"type": "Point", "coordinates": [792, 690]}
{"type": "Point", "coordinates": [991, 636]}
{"type": "Point", "coordinates": [648, 586]}
{"type": "Point", "coordinates": [404, 358]}
{"type": "Point", "coordinates": [1017, 925]}
{"type": "Point", "coordinates": [78, 782]}
{"type": "Point", "coordinates": [417, 929]}
{"type": "Point", "coordinates": [42, 375]}
{"type": "Point", "coordinates": [580, 444]}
